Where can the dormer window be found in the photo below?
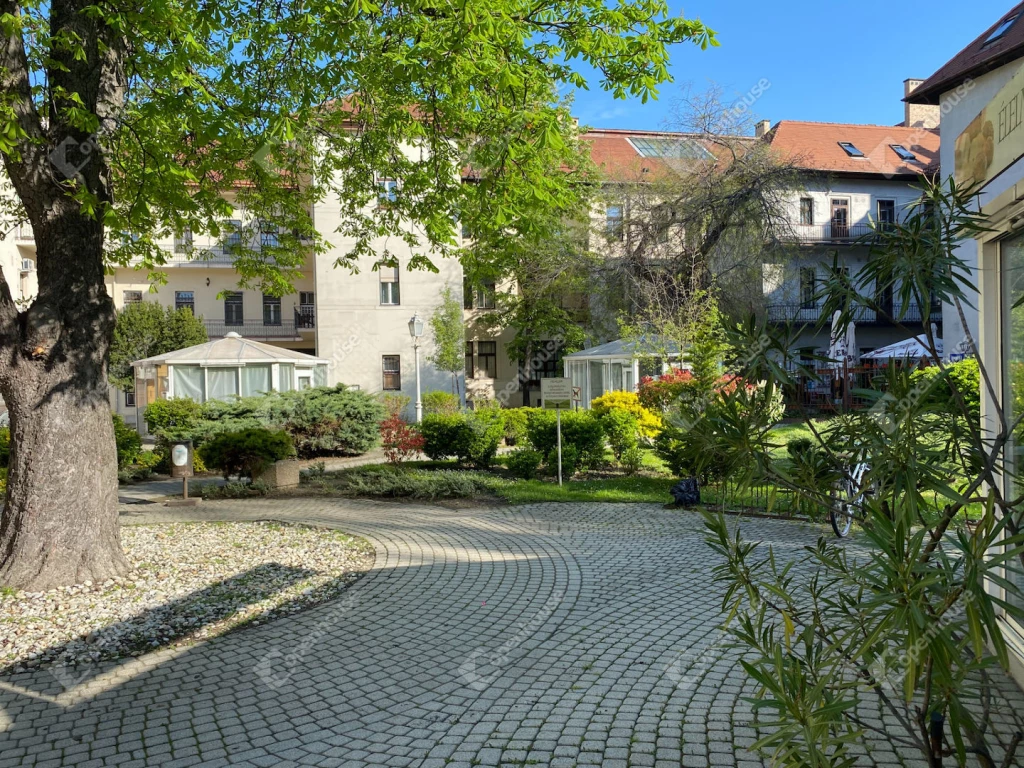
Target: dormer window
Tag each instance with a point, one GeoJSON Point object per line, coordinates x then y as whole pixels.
{"type": "Point", "coordinates": [850, 149]}
{"type": "Point", "coordinates": [1002, 29]}
{"type": "Point", "coordinates": [902, 152]}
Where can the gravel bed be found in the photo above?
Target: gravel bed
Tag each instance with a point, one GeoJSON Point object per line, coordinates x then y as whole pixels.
{"type": "Point", "coordinates": [189, 581]}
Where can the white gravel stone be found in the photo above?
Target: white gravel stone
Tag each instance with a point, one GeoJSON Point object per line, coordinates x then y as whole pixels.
{"type": "Point", "coordinates": [188, 581]}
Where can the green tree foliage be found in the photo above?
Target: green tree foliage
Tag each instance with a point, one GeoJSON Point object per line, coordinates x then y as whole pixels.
{"type": "Point", "coordinates": [909, 621]}
{"type": "Point", "coordinates": [126, 124]}
{"type": "Point", "coordinates": [449, 332]}
{"type": "Point", "coordinates": [144, 329]}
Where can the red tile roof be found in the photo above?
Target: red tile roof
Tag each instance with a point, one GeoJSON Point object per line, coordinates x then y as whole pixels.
{"type": "Point", "coordinates": [974, 60]}
{"type": "Point", "coordinates": [815, 147]}
{"type": "Point", "coordinates": [619, 159]}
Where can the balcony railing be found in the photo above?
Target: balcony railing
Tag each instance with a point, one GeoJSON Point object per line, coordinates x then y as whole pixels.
{"type": "Point", "coordinates": [254, 329]}
{"type": "Point", "coordinates": [802, 313]}
{"type": "Point", "coordinates": [832, 232]}
{"type": "Point", "coordinates": [305, 316]}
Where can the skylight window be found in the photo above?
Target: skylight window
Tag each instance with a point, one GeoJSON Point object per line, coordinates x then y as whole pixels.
{"type": "Point", "coordinates": [903, 152]}
{"type": "Point", "coordinates": [1001, 30]}
{"type": "Point", "coordinates": [851, 150]}
{"type": "Point", "coordinates": [674, 147]}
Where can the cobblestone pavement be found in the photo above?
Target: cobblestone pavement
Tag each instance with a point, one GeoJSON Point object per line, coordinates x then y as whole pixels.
{"type": "Point", "coordinates": [559, 634]}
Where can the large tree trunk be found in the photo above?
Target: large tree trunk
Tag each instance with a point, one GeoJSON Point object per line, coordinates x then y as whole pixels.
{"type": "Point", "coordinates": [60, 522]}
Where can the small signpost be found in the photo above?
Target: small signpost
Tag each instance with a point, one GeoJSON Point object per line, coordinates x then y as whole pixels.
{"type": "Point", "coordinates": [557, 394]}
{"type": "Point", "coordinates": [181, 466]}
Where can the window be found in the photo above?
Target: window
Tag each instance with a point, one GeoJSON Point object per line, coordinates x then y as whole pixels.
{"type": "Point", "coordinates": [392, 366]}
{"type": "Point", "coordinates": [840, 220]}
{"type": "Point", "coordinates": [470, 370]}
{"type": "Point", "coordinates": [1001, 29]}
{"type": "Point", "coordinates": [485, 296]}
{"type": "Point", "coordinates": [233, 308]}
{"type": "Point", "coordinates": [268, 234]}
{"type": "Point", "coordinates": [902, 152]}
{"type": "Point", "coordinates": [487, 354]}
{"type": "Point", "coordinates": [307, 299]}
{"type": "Point", "coordinates": [1011, 274]}
{"type": "Point", "coordinates": [808, 287]}
{"type": "Point", "coordinates": [305, 313]}
{"type": "Point", "coordinates": [613, 221]}
{"type": "Point", "coordinates": [131, 297]}
{"type": "Point", "coordinates": [548, 361]}
{"type": "Point", "coordinates": [388, 192]}
{"type": "Point", "coordinates": [183, 242]}
{"type": "Point", "coordinates": [886, 212]}
{"type": "Point", "coordinates": [129, 398]}
{"type": "Point", "coordinates": [271, 310]}
{"type": "Point", "coordinates": [185, 300]}
{"type": "Point", "coordinates": [232, 235]}
{"type": "Point", "coordinates": [806, 211]}
{"type": "Point", "coordinates": [851, 150]}
{"type": "Point", "coordinates": [389, 288]}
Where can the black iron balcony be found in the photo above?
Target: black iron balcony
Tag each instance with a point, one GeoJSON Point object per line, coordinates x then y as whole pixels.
{"type": "Point", "coordinates": [254, 329]}
{"type": "Point", "coordinates": [305, 316]}
{"type": "Point", "coordinates": [810, 314]}
{"type": "Point", "coordinates": [833, 232]}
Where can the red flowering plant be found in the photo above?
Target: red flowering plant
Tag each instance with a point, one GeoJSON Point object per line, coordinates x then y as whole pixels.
{"type": "Point", "coordinates": [657, 394]}
{"type": "Point", "coordinates": [401, 441]}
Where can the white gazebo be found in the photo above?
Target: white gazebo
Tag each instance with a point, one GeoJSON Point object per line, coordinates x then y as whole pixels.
{"type": "Point", "coordinates": [615, 366]}
{"type": "Point", "coordinates": [223, 369]}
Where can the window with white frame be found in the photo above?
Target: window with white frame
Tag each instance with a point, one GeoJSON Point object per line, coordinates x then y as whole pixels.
{"type": "Point", "coordinates": [390, 294]}
{"type": "Point", "coordinates": [487, 357]}
{"type": "Point", "coordinates": [232, 235]}
{"type": "Point", "coordinates": [387, 191]}
{"type": "Point", "coordinates": [268, 234]}
{"type": "Point", "coordinates": [271, 310]}
{"type": "Point", "coordinates": [183, 242]}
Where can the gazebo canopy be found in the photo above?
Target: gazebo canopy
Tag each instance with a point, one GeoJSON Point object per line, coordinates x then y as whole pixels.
{"type": "Point", "coordinates": [627, 350]}
{"type": "Point", "coordinates": [614, 366]}
{"type": "Point", "coordinates": [231, 350]}
{"type": "Point", "coordinates": [224, 369]}
{"type": "Point", "coordinates": [914, 348]}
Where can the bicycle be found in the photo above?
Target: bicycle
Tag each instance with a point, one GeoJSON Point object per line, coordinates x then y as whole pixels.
{"type": "Point", "coordinates": [848, 498]}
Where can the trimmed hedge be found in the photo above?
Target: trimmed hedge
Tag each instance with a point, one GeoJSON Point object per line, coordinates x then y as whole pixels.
{"type": "Point", "coordinates": [471, 438]}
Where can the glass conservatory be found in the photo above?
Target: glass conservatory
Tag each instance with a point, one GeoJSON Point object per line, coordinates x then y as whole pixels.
{"type": "Point", "coordinates": [617, 366]}
{"type": "Point", "coordinates": [223, 369]}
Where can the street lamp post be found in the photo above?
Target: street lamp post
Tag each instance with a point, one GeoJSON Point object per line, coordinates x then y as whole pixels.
{"type": "Point", "coordinates": [416, 331]}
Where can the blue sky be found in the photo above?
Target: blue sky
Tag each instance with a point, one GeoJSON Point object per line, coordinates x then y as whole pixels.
{"type": "Point", "coordinates": [825, 61]}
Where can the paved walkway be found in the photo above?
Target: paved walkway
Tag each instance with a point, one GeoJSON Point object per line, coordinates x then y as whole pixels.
{"type": "Point", "coordinates": [561, 635]}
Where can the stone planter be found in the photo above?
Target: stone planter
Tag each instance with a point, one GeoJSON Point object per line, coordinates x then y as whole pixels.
{"type": "Point", "coordinates": [281, 474]}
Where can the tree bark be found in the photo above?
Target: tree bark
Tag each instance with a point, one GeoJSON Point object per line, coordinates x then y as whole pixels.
{"type": "Point", "coordinates": [59, 524]}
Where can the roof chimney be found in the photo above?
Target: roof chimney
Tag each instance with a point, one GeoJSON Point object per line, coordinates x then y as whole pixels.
{"type": "Point", "coordinates": [918, 115]}
{"type": "Point", "coordinates": [761, 128]}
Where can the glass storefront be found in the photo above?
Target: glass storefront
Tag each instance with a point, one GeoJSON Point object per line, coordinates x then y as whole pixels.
{"type": "Point", "coordinates": [1011, 261]}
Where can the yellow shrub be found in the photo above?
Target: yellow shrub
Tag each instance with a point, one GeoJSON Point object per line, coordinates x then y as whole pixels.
{"type": "Point", "coordinates": [648, 421]}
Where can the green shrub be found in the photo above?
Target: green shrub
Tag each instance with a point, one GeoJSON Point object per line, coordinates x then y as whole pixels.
{"type": "Point", "coordinates": [321, 421]}
{"type": "Point", "coordinates": [622, 430]}
{"type": "Point", "coordinates": [632, 460]}
{"type": "Point", "coordinates": [246, 453]}
{"type": "Point", "coordinates": [965, 376]}
{"type": "Point", "coordinates": [486, 430]}
{"type": "Point", "coordinates": [179, 413]}
{"type": "Point", "coordinates": [5, 446]}
{"type": "Point", "coordinates": [441, 402]}
{"type": "Point", "coordinates": [524, 462]}
{"type": "Point", "coordinates": [515, 425]}
{"type": "Point", "coordinates": [443, 434]}
{"type": "Point", "coordinates": [399, 483]}
{"type": "Point", "coordinates": [129, 444]}
{"type": "Point", "coordinates": [798, 447]}
{"type": "Point", "coordinates": [230, 490]}
{"type": "Point", "coordinates": [570, 460]}
{"type": "Point", "coordinates": [580, 429]}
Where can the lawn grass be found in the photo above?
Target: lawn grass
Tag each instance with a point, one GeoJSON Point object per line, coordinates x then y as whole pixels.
{"type": "Point", "coordinates": [649, 490]}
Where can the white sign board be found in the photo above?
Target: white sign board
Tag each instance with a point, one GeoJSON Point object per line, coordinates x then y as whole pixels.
{"type": "Point", "coordinates": [556, 393]}
{"type": "Point", "coordinates": [577, 394]}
